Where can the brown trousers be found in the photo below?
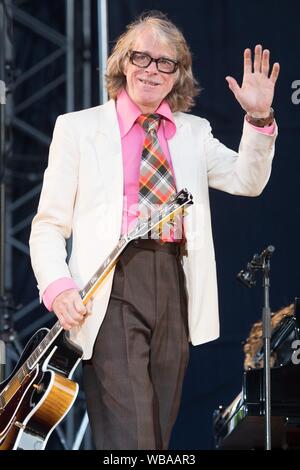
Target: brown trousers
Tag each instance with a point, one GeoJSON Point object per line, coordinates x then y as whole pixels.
{"type": "Point", "coordinates": [134, 379]}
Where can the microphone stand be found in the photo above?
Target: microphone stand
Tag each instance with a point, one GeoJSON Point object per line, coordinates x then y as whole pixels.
{"type": "Point", "coordinates": [247, 277]}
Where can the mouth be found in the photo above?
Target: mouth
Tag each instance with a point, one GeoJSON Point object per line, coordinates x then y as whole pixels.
{"type": "Point", "coordinates": [148, 82]}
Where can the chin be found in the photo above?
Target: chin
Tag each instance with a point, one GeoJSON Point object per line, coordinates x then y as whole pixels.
{"type": "Point", "coordinates": [146, 100]}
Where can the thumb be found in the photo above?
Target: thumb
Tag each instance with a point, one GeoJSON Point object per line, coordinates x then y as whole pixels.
{"type": "Point", "coordinates": [233, 85]}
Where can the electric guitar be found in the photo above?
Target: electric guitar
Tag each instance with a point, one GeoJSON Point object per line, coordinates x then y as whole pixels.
{"type": "Point", "coordinates": [39, 392]}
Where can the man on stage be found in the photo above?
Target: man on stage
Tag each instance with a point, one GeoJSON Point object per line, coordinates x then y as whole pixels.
{"type": "Point", "coordinates": [106, 165]}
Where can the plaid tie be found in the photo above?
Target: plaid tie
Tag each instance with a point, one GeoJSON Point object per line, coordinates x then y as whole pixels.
{"type": "Point", "coordinates": [156, 183]}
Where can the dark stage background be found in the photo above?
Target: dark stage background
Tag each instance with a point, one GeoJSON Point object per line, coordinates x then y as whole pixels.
{"type": "Point", "coordinates": [218, 31]}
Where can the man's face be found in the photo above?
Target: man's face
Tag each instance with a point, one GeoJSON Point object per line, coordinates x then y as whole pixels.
{"type": "Point", "coordinates": [147, 87]}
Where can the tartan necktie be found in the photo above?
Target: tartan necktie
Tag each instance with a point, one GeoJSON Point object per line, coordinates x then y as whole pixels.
{"type": "Point", "coordinates": [156, 182]}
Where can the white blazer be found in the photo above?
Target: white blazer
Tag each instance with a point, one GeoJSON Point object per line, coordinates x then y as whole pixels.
{"type": "Point", "coordinates": [82, 195]}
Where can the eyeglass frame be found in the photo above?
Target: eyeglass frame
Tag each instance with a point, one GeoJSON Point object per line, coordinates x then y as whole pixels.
{"type": "Point", "coordinates": [151, 59]}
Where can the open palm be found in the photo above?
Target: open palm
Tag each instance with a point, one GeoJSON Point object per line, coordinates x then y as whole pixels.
{"type": "Point", "coordinates": [257, 91]}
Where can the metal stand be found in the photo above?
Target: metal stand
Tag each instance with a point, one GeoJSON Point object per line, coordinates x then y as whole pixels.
{"type": "Point", "coordinates": [8, 334]}
{"type": "Point", "coordinates": [74, 45]}
{"type": "Point", "coordinates": [81, 432]}
{"type": "Point", "coordinates": [247, 277]}
{"type": "Point", "coordinates": [102, 46]}
{"type": "Point", "coordinates": [7, 308]}
{"type": "Point", "coordinates": [2, 360]}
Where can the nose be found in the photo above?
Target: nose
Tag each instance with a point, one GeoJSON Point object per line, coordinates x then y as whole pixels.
{"type": "Point", "coordinates": [152, 67]}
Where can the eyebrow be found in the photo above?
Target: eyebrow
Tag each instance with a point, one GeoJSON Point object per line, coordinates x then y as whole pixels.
{"type": "Point", "coordinates": [161, 57]}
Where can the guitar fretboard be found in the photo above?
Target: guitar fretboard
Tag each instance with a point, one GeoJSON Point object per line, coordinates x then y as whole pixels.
{"type": "Point", "coordinates": [40, 350]}
{"type": "Point", "coordinates": [14, 384]}
{"type": "Point", "coordinates": [104, 268]}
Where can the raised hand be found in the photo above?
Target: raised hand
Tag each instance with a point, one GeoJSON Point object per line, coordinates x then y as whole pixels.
{"type": "Point", "coordinates": [257, 91]}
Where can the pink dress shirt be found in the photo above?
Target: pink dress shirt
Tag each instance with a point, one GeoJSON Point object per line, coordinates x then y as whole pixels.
{"type": "Point", "coordinates": [132, 138]}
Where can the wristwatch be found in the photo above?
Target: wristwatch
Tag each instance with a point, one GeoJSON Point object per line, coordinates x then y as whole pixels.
{"type": "Point", "coordinates": [261, 122]}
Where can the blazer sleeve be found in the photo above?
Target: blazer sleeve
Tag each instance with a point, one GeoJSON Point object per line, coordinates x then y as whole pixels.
{"type": "Point", "coordinates": [52, 224]}
{"type": "Point", "coordinates": [245, 172]}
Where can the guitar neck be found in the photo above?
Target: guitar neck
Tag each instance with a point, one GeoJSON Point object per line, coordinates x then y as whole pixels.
{"type": "Point", "coordinates": [44, 345]}
{"type": "Point", "coordinates": [101, 273]}
{"type": "Point", "coordinates": [143, 227]}
{"type": "Point", "coordinates": [182, 199]}
{"type": "Point", "coordinates": [85, 294]}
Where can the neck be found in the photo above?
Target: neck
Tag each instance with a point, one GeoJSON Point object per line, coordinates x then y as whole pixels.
{"type": "Point", "coordinates": [148, 109]}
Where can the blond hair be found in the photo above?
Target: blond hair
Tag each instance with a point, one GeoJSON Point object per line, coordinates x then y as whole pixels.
{"type": "Point", "coordinates": [185, 89]}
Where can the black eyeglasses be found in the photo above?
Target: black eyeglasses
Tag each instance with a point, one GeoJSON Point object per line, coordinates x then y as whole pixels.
{"type": "Point", "coordinates": [143, 60]}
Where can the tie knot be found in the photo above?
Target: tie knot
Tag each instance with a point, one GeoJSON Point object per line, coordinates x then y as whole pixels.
{"type": "Point", "coordinates": [149, 122]}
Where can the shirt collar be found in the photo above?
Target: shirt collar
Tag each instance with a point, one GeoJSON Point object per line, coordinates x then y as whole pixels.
{"type": "Point", "coordinates": [128, 112]}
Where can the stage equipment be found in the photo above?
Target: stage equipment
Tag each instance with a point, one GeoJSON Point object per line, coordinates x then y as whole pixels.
{"type": "Point", "coordinates": [241, 424]}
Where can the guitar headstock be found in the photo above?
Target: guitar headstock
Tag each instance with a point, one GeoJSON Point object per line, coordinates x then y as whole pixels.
{"type": "Point", "coordinates": [163, 214]}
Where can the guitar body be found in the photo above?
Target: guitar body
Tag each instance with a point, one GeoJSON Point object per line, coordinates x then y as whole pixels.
{"type": "Point", "coordinates": [42, 398]}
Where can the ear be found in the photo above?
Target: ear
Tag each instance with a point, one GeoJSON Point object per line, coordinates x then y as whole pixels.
{"type": "Point", "coordinates": [125, 66]}
{"type": "Point", "coordinates": [177, 78]}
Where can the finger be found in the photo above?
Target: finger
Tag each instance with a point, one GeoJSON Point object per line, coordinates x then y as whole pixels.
{"type": "Point", "coordinates": [275, 72]}
{"type": "Point", "coordinates": [265, 62]}
{"type": "Point", "coordinates": [82, 321]}
{"type": "Point", "coordinates": [72, 316]}
{"type": "Point", "coordinates": [79, 306]}
{"type": "Point", "coordinates": [63, 319]}
{"type": "Point", "coordinates": [247, 62]}
{"type": "Point", "coordinates": [257, 58]}
{"type": "Point", "coordinates": [233, 85]}
{"type": "Point", "coordinates": [64, 322]}
{"type": "Point", "coordinates": [66, 326]}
